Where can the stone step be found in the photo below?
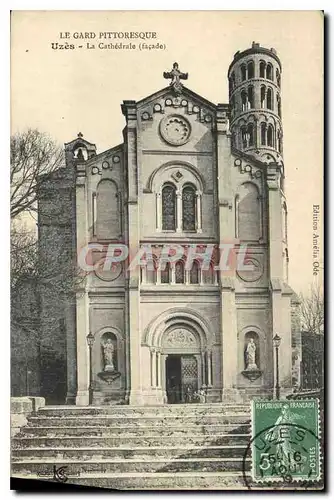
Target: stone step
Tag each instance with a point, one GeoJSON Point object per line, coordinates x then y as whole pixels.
{"type": "Point", "coordinates": [133, 465]}
{"type": "Point", "coordinates": [156, 481]}
{"type": "Point", "coordinates": [87, 440]}
{"type": "Point", "coordinates": [157, 420]}
{"type": "Point", "coordinates": [168, 452]}
{"type": "Point", "coordinates": [37, 429]}
{"type": "Point", "coordinates": [120, 410]}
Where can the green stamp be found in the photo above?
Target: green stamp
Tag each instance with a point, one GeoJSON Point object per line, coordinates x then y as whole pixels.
{"type": "Point", "coordinates": [285, 441]}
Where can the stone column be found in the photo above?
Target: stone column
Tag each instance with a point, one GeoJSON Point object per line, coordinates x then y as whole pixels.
{"type": "Point", "coordinates": [178, 211]}
{"type": "Point", "coordinates": [209, 365]}
{"type": "Point", "coordinates": [229, 341]}
{"type": "Point", "coordinates": [159, 369]}
{"type": "Point", "coordinates": [133, 161]}
{"type": "Point", "coordinates": [199, 211]}
{"type": "Point", "coordinates": [228, 318]}
{"type": "Point", "coordinates": [82, 301]}
{"type": "Point", "coordinates": [153, 368]}
{"type": "Point", "coordinates": [158, 212]}
{"type": "Point", "coordinates": [204, 368]}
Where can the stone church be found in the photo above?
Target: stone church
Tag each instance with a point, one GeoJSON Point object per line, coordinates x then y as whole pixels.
{"type": "Point", "coordinates": [188, 173]}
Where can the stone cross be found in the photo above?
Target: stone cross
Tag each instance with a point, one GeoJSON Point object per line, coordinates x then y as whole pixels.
{"type": "Point", "coordinates": [80, 134]}
{"type": "Point", "coordinates": [176, 75]}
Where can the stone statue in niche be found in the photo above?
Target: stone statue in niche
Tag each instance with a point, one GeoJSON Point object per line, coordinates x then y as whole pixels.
{"type": "Point", "coordinates": [250, 355]}
{"type": "Point", "coordinates": [109, 355]}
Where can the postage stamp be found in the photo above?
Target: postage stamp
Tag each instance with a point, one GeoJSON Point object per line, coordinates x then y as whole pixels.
{"type": "Point", "coordinates": [285, 441]}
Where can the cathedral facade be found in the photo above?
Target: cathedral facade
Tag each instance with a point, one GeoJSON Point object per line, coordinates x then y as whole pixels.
{"type": "Point", "coordinates": [150, 324]}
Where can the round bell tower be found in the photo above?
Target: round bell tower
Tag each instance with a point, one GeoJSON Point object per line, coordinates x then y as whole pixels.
{"type": "Point", "coordinates": [255, 103]}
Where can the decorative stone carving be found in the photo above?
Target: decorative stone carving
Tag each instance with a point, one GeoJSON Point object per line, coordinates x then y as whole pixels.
{"type": "Point", "coordinates": [254, 173]}
{"type": "Point", "coordinates": [179, 338]}
{"type": "Point", "coordinates": [253, 275]}
{"type": "Point", "coordinates": [176, 75]}
{"type": "Point", "coordinates": [175, 129]}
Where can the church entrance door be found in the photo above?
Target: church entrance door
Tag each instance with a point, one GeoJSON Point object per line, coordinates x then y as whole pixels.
{"type": "Point", "coordinates": [181, 378]}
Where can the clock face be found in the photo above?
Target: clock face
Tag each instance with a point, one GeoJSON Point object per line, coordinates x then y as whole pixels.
{"type": "Point", "coordinates": [175, 129]}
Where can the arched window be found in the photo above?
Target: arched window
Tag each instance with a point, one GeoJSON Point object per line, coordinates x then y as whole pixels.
{"type": "Point", "coordinates": [165, 274]}
{"type": "Point", "coordinates": [168, 208]}
{"type": "Point", "coordinates": [250, 95]}
{"type": "Point", "coordinates": [244, 100]}
{"type": "Point", "coordinates": [243, 73]}
{"type": "Point", "coordinates": [248, 213]}
{"type": "Point", "coordinates": [208, 275]}
{"type": "Point", "coordinates": [262, 69]}
{"type": "Point", "coordinates": [107, 212]}
{"type": "Point", "coordinates": [194, 273]}
{"type": "Point", "coordinates": [189, 208]}
{"type": "Point", "coordinates": [269, 72]}
{"type": "Point", "coordinates": [250, 134]}
{"type": "Point", "coordinates": [233, 144]}
{"type": "Point", "coordinates": [232, 105]}
{"type": "Point", "coordinates": [270, 136]}
{"type": "Point", "coordinates": [263, 96]}
{"type": "Point", "coordinates": [250, 70]}
{"type": "Point", "coordinates": [151, 273]}
{"type": "Point", "coordinates": [263, 134]}
{"type": "Point", "coordinates": [244, 137]}
{"type": "Point", "coordinates": [278, 78]}
{"type": "Point", "coordinates": [179, 272]}
{"type": "Point", "coordinates": [279, 141]}
{"type": "Point", "coordinates": [232, 81]}
{"type": "Point", "coordinates": [269, 98]}
{"type": "Point", "coordinates": [279, 109]}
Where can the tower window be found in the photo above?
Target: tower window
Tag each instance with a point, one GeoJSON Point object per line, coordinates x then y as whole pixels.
{"type": "Point", "coordinates": [279, 141]}
{"type": "Point", "coordinates": [269, 98]}
{"type": "Point", "coordinates": [262, 69]}
{"type": "Point", "coordinates": [250, 134]}
{"type": "Point", "coordinates": [250, 70]}
{"type": "Point", "coordinates": [250, 95]}
{"type": "Point", "coordinates": [244, 100]}
{"type": "Point", "coordinates": [189, 208]}
{"type": "Point", "coordinates": [244, 137]}
{"type": "Point", "coordinates": [243, 73]}
{"type": "Point", "coordinates": [232, 82]}
{"type": "Point", "coordinates": [278, 78]}
{"type": "Point", "coordinates": [179, 272]}
{"type": "Point", "coordinates": [269, 72]}
{"type": "Point", "coordinates": [263, 134]}
{"type": "Point", "coordinates": [232, 106]}
{"type": "Point", "coordinates": [270, 136]}
{"type": "Point", "coordinates": [194, 273]}
{"type": "Point", "coordinates": [168, 208]}
{"type": "Point", "coordinates": [165, 274]}
{"type": "Point", "coordinates": [263, 96]}
{"type": "Point", "coordinates": [279, 109]}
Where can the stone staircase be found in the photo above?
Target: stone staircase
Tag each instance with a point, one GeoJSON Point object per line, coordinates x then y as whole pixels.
{"type": "Point", "coordinates": [196, 446]}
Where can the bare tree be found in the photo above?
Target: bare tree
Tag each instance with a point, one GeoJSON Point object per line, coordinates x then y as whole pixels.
{"type": "Point", "coordinates": [312, 310]}
{"type": "Point", "coordinates": [32, 154]}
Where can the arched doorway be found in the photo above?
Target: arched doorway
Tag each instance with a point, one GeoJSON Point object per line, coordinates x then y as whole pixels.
{"type": "Point", "coordinates": [179, 352]}
{"type": "Point", "coordinates": [183, 372]}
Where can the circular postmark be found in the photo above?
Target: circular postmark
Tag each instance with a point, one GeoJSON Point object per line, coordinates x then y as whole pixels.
{"type": "Point", "coordinates": [282, 455]}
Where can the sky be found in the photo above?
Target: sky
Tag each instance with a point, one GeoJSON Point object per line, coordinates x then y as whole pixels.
{"type": "Point", "coordinates": [64, 91]}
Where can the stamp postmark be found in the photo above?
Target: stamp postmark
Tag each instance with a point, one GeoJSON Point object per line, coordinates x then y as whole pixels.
{"type": "Point", "coordinates": [285, 441]}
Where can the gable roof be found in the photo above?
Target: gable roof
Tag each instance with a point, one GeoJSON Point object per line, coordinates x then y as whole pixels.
{"type": "Point", "coordinates": [185, 93]}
